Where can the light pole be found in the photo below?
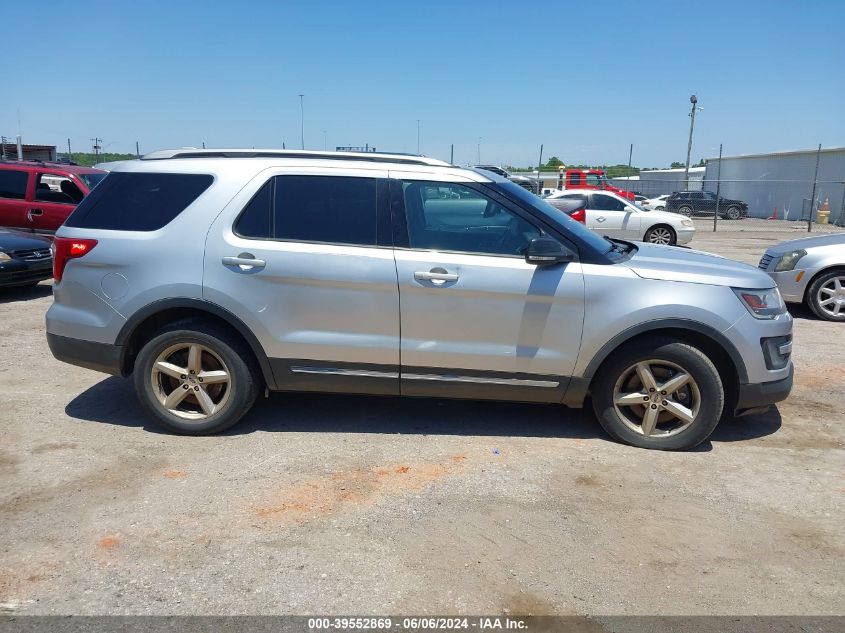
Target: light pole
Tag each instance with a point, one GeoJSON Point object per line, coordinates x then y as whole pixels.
{"type": "Point", "coordinates": [479, 151]}
{"type": "Point", "coordinates": [418, 136]}
{"type": "Point", "coordinates": [694, 101]}
{"type": "Point", "coordinates": [302, 120]}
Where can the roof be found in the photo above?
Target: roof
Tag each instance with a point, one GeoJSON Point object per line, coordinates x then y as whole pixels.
{"type": "Point", "coordinates": [675, 170]}
{"type": "Point", "coordinates": [373, 157]}
{"type": "Point", "coordinates": [794, 152]}
{"type": "Point", "coordinates": [34, 164]}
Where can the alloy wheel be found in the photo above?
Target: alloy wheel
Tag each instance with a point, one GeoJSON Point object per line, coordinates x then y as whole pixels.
{"type": "Point", "coordinates": [656, 398]}
{"type": "Point", "coordinates": [687, 211]}
{"type": "Point", "coordinates": [660, 235]}
{"type": "Point", "coordinates": [191, 381]}
{"type": "Point", "coordinates": [831, 297]}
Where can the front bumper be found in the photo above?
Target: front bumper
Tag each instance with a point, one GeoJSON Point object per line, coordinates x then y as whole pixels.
{"type": "Point", "coordinates": [16, 272]}
{"type": "Point", "coordinates": [97, 356]}
{"type": "Point", "coordinates": [684, 236]}
{"type": "Point", "coordinates": [756, 398]}
{"type": "Point", "coordinates": [792, 284]}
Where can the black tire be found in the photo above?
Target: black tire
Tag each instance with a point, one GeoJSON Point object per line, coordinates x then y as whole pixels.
{"type": "Point", "coordinates": [733, 213]}
{"type": "Point", "coordinates": [685, 210]}
{"type": "Point", "coordinates": [814, 291]}
{"type": "Point", "coordinates": [221, 349]}
{"type": "Point", "coordinates": [655, 232]}
{"type": "Point", "coordinates": [708, 401]}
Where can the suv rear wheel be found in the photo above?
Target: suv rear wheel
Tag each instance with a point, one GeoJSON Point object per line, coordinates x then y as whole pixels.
{"type": "Point", "coordinates": [685, 210]}
{"type": "Point", "coordinates": [660, 394]}
{"type": "Point", "coordinates": [195, 379]}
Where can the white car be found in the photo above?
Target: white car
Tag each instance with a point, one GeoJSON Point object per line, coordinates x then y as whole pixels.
{"type": "Point", "coordinates": [611, 215]}
{"type": "Point", "coordinates": [655, 204]}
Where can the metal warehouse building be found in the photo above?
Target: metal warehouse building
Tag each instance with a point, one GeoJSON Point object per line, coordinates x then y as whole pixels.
{"type": "Point", "coordinates": [781, 183]}
{"type": "Point", "coordinates": [656, 182]}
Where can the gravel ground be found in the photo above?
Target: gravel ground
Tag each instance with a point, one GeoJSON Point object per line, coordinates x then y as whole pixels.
{"type": "Point", "coordinates": [342, 504]}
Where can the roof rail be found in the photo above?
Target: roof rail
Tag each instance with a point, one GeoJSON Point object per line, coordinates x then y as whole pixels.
{"type": "Point", "coordinates": [378, 157]}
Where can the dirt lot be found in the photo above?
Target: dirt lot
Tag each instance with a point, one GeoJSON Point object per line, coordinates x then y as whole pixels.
{"type": "Point", "coordinates": [374, 505]}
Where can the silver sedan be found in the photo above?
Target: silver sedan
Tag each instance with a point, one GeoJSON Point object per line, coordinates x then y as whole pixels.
{"type": "Point", "coordinates": [811, 270]}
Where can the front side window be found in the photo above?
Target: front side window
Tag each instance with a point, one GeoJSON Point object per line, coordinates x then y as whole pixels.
{"type": "Point", "coordinates": [13, 184]}
{"type": "Point", "coordinates": [462, 221]}
{"type": "Point", "coordinates": [57, 188]}
{"type": "Point", "coordinates": [326, 209]}
{"type": "Point", "coordinates": [602, 202]}
{"type": "Point", "coordinates": [575, 179]}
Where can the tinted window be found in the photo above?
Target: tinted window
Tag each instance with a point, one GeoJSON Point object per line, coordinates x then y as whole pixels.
{"type": "Point", "coordinates": [13, 184]}
{"type": "Point", "coordinates": [126, 201]}
{"type": "Point", "coordinates": [56, 188]}
{"type": "Point", "coordinates": [575, 179]}
{"type": "Point", "coordinates": [254, 220]}
{"type": "Point", "coordinates": [602, 202]}
{"type": "Point", "coordinates": [452, 217]}
{"type": "Point", "coordinates": [92, 180]}
{"type": "Point", "coordinates": [332, 209]}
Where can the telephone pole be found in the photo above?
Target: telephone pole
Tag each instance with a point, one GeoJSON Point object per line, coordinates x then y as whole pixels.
{"type": "Point", "coordinates": [302, 120]}
{"type": "Point", "coordinates": [95, 145]}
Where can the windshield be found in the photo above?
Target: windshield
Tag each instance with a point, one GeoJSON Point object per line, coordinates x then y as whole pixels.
{"type": "Point", "coordinates": [91, 179]}
{"type": "Point", "coordinates": [597, 180]}
{"type": "Point", "coordinates": [557, 216]}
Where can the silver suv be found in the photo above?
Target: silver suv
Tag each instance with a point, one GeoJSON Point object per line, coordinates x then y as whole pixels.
{"type": "Point", "coordinates": [212, 276]}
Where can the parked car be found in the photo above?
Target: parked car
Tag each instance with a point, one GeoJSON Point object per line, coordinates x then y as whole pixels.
{"type": "Point", "coordinates": [38, 197]}
{"type": "Point", "coordinates": [523, 181]}
{"type": "Point", "coordinates": [811, 270]}
{"type": "Point", "coordinates": [303, 259]}
{"type": "Point", "coordinates": [655, 204]}
{"type": "Point", "coordinates": [25, 259]}
{"type": "Point", "coordinates": [639, 199]}
{"type": "Point", "coordinates": [692, 203]}
{"type": "Point", "coordinates": [611, 215]}
{"type": "Point", "coordinates": [573, 178]}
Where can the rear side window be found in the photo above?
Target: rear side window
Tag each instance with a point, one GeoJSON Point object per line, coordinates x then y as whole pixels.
{"type": "Point", "coordinates": [327, 209]}
{"type": "Point", "coordinates": [129, 201]}
{"type": "Point", "coordinates": [13, 184]}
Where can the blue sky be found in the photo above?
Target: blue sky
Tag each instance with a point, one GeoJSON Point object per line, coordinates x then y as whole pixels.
{"type": "Point", "coordinates": [584, 79]}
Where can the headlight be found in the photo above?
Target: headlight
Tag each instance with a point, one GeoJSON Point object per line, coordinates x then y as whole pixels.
{"type": "Point", "coordinates": [687, 223]}
{"type": "Point", "coordinates": [762, 304]}
{"type": "Point", "coordinates": [788, 261]}
{"type": "Point", "coordinates": [4, 257]}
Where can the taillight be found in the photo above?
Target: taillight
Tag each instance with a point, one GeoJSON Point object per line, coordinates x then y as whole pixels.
{"type": "Point", "coordinates": [579, 215]}
{"type": "Point", "coordinates": [67, 248]}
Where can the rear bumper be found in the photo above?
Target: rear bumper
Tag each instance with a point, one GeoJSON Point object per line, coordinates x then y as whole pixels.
{"type": "Point", "coordinates": [755, 398]}
{"type": "Point", "coordinates": [97, 356]}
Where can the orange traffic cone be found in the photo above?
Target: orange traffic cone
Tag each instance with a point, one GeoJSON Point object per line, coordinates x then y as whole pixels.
{"type": "Point", "coordinates": [774, 215]}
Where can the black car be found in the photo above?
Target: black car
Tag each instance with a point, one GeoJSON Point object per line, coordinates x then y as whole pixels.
{"type": "Point", "coordinates": [25, 259]}
{"type": "Point", "coordinates": [523, 181]}
{"type": "Point", "coordinates": [690, 203]}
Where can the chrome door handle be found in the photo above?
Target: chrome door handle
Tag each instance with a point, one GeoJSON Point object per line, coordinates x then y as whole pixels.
{"type": "Point", "coordinates": [601, 218]}
{"type": "Point", "coordinates": [437, 276]}
{"type": "Point", "coordinates": [33, 212]}
{"type": "Point", "coordinates": [244, 261]}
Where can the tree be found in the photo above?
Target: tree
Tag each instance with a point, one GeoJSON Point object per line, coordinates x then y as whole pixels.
{"type": "Point", "coordinates": [677, 165]}
{"type": "Point", "coordinates": [553, 163]}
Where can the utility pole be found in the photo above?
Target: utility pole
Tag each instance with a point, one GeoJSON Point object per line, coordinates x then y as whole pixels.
{"type": "Point", "coordinates": [539, 168]}
{"type": "Point", "coordinates": [138, 151]}
{"type": "Point", "coordinates": [452, 162]}
{"type": "Point", "coordinates": [302, 120]}
{"type": "Point", "coordinates": [3, 147]}
{"type": "Point", "coordinates": [694, 101]}
{"type": "Point", "coordinates": [479, 151]}
{"type": "Point", "coordinates": [630, 155]}
{"type": "Point", "coordinates": [418, 136]}
{"type": "Point", "coordinates": [69, 159]}
{"type": "Point", "coordinates": [96, 147]}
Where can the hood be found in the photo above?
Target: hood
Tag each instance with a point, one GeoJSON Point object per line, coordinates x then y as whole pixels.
{"type": "Point", "coordinates": [15, 240]}
{"type": "Point", "coordinates": [808, 242]}
{"type": "Point", "coordinates": [666, 216]}
{"type": "Point", "coordinates": [671, 263]}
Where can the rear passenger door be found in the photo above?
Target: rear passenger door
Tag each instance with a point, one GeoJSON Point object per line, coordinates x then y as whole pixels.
{"type": "Point", "coordinates": [305, 260]}
{"type": "Point", "coordinates": [13, 203]}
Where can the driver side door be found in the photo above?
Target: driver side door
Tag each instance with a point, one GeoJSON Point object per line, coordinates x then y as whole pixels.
{"type": "Point", "coordinates": [477, 320]}
{"type": "Point", "coordinates": [608, 215]}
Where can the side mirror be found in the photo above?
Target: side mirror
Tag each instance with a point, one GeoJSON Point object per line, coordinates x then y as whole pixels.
{"type": "Point", "coordinates": [546, 251]}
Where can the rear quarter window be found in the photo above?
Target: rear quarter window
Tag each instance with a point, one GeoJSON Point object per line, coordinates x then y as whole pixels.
{"type": "Point", "coordinates": [133, 201]}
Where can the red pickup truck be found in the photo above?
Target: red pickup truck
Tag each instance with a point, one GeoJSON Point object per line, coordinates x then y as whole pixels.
{"type": "Point", "coordinates": [38, 197]}
{"type": "Point", "coordinates": [589, 179]}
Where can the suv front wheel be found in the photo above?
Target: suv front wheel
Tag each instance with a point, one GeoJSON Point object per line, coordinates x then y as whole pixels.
{"type": "Point", "coordinates": [659, 393]}
{"type": "Point", "coordinates": [195, 379]}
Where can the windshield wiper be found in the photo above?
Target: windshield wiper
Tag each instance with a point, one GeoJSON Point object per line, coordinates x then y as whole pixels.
{"type": "Point", "coordinates": [619, 247]}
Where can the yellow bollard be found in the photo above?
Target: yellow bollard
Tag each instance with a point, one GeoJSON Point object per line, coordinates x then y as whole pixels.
{"type": "Point", "coordinates": [823, 214]}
